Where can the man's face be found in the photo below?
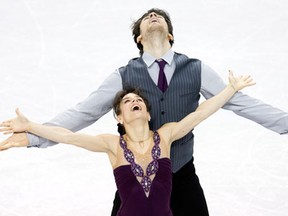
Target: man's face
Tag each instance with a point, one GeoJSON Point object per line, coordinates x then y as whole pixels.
{"type": "Point", "coordinates": [153, 22]}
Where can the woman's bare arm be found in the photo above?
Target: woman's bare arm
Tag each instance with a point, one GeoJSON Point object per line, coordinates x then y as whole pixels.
{"type": "Point", "coordinates": [99, 143]}
{"type": "Point", "coordinates": [207, 108]}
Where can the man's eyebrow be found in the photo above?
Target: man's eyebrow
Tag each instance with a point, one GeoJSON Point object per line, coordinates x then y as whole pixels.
{"type": "Point", "coordinates": [137, 96]}
{"type": "Point", "coordinates": [126, 97]}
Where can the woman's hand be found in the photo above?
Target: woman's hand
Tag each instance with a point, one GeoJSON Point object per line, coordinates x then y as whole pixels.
{"type": "Point", "coordinates": [18, 124]}
{"type": "Point", "coordinates": [240, 82]}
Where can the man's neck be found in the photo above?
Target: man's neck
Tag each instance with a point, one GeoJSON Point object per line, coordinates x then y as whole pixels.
{"type": "Point", "coordinates": [156, 46]}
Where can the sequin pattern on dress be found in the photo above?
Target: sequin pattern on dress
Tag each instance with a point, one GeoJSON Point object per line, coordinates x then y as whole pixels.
{"type": "Point", "coordinates": [136, 168]}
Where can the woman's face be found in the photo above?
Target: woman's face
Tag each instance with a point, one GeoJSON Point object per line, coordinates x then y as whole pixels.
{"type": "Point", "coordinates": [132, 107]}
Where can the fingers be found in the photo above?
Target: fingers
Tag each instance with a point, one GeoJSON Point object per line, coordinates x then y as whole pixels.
{"type": "Point", "coordinates": [248, 80]}
{"type": "Point", "coordinates": [5, 130]}
{"type": "Point", "coordinates": [3, 145]}
{"type": "Point", "coordinates": [16, 140]}
{"type": "Point", "coordinates": [18, 111]}
{"type": "Point", "coordinates": [10, 131]}
{"type": "Point", "coordinates": [6, 127]}
{"type": "Point", "coordinates": [231, 77]}
{"type": "Point", "coordinates": [240, 82]}
{"type": "Point", "coordinates": [6, 123]}
{"type": "Point", "coordinates": [6, 145]}
{"type": "Point", "coordinates": [231, 74]}
{"type": "Point", "coordinates": [246, 77]}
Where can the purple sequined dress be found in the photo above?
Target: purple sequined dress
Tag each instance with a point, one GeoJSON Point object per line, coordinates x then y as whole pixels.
{"type": "Point", "coordinates": [134, 201]}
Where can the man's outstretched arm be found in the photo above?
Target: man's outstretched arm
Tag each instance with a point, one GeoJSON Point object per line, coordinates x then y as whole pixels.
{"type": "Point", "coordinates": [83, 114]}
{"type": "Point", "coordinates": [243, 105]}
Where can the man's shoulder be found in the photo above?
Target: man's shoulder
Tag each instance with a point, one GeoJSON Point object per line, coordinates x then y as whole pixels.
{"type": "Point", "coordinates": [177, 54]}
{"type": "Point", "coordinates": [131, 62]}
{"type": "Point", "coordinates": [185, 57]}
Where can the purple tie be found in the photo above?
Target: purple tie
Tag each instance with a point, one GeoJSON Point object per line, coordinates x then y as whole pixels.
{"type": "Point", "coordinates": [162, 81]}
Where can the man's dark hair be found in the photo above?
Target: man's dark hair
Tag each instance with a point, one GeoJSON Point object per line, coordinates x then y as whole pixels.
{"type": "Point", "coordinates": [136, 26]}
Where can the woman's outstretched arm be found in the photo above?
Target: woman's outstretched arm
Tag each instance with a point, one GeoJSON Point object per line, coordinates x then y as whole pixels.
{"type": "Point", "coordinates": [97, 143]}
{"type": "Point", "coordinates": [207, 108]}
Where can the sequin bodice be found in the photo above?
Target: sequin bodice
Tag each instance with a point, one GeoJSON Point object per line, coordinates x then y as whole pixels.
{"type": "Point", "coordinates": [134, 201]}
{"type": "Point", "coordinates": [152, 167]}
{"type": "Point", "coordinates": [145, 197]}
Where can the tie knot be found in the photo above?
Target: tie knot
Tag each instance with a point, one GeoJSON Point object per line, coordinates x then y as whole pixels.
{"type": "Point", "coordinates": [161, 63]}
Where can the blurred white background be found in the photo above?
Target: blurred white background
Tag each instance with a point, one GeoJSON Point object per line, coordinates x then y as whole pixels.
{"type": "Point", "coordinates": [54, 53]}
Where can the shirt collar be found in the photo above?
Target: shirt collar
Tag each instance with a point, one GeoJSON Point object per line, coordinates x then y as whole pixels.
{"type": "Point", "coordinates": [149, 59]}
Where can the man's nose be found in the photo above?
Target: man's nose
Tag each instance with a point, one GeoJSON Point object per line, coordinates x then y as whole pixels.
{"type": "Point", "coordinates": [135, 100]}
{"type": "Point", "coordinates": [153, 14]}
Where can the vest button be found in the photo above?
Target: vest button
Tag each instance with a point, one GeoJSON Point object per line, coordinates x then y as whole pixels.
{"type": "Point", "coordinates": [162, 112]}
{"type": "Point", "coordinates": [162, 99]}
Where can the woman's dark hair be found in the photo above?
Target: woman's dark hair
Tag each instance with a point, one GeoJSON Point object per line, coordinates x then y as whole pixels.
{"type": "Point", "coordinates": [117, 100]}
{"type": "Point", "coordinates": [136, 26]}
{"type": "Point", "coordinates": [120, 95]}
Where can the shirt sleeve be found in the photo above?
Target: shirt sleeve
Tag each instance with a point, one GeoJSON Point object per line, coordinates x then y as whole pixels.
{"type": "Point", "coordinates": [84, 113]}
{"type": "Point", "coordinates": [243, 105]}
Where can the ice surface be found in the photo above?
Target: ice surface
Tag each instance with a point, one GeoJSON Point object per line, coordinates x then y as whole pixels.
{"type": "Point", "coordinates": [53, 53]}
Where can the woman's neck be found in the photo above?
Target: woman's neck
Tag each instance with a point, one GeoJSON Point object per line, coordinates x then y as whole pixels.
{"type": "Point", "coordinates": [137, 134]}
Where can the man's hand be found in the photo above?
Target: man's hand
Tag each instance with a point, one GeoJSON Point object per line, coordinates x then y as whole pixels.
{"type": "Point", "coordinates": [16, 140]}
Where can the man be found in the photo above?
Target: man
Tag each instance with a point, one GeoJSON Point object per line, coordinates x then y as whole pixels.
{"type": "Point", "coordinates": [186, 79]}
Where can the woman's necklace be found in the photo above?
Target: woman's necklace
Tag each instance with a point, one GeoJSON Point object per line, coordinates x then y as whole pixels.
{"type": "Point", "coordinates": [140, 143]}
{"type": "Point", "coordinates": [152, 167]}
{"type": "Point", "coordinates": [140, 147]}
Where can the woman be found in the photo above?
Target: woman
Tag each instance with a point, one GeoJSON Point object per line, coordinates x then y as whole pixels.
{"type": "Point", "coordinates": [141, 163]}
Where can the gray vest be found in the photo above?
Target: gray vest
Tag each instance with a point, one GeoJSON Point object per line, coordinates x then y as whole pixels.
{"type": "Point", "coordinates": [180, 99]}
